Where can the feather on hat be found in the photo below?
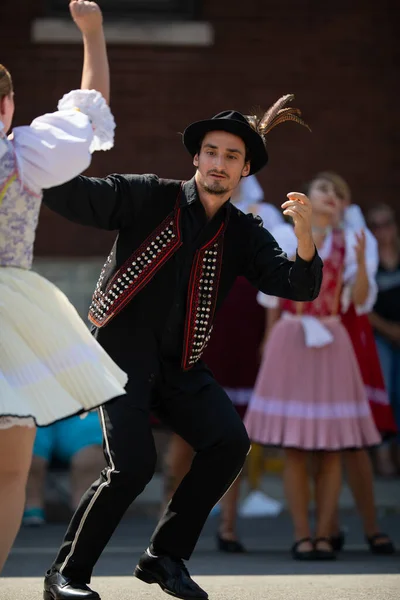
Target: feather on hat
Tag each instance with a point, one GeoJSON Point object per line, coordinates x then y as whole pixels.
{"type": "Point", "coordinates": [253, 129]}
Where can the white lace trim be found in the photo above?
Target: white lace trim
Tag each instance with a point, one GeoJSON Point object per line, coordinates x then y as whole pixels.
{"type": "Point", "coordinates": [7, 422]}
{"type": "Point", "coordinates": [92, 104]}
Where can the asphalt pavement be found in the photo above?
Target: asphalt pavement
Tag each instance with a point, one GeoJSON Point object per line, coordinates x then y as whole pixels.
{"type": "Point", "coordinates": [265, 572]}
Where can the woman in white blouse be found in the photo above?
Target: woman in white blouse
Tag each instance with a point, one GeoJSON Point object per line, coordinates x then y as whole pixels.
{"type": "Point", "coordinates": [309, 396]}
{"type": "Point", "coordinates": [50, 365]}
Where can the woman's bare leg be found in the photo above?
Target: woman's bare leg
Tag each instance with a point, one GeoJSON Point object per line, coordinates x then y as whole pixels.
{"type": "Point", "coordinates": [297, 491]}
{"type": "Point", "coordinates": [328, 482]}
{"type": "Point", "coordinates": [361, 482]}
{"type": "Point", "coordinates": [385, 467]}
{"type": "Point", "coordinates": [16, 445]}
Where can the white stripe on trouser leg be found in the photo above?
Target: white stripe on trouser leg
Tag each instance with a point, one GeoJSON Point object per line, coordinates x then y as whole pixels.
{"type": "Point", "coordinates": [96, 494]}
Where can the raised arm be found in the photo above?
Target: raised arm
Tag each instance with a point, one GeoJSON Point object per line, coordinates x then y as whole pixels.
{"type": "Point", "coordinates": [267, 265]}
{"type": "Point", "coordinates": [269, 269]}
{"type": "Point", "coordinates": [57, 146]}
{"type": "Point", "coordinates": [96, 72]}
{"type": "Point", "coordinates": [360, 286]}
{"type": "Point", "coordinates": [111, 203]}
{"type": "Point", "coordinates": [359, 275]}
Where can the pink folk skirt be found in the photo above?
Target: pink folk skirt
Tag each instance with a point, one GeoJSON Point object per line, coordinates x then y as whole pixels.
{"type": "Point", "coordinates": [310, 398]}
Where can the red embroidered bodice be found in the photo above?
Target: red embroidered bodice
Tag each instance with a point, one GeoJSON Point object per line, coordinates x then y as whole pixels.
{"type": "Point", "coordinates": [328, 300]}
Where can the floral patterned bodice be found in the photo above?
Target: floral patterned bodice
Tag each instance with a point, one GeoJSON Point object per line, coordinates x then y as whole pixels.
{"type": "Point", "coordinates": [53, 149]}
{"type": "Point", "coordinates": [19, 212]}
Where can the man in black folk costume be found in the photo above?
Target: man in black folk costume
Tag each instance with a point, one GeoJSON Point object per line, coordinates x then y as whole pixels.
{"type": "Point", "coordinates": [179, 249]}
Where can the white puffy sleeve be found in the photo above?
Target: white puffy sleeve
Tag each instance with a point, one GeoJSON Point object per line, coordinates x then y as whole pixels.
{"type": "Point", "coordinates": [350, 270]}
{"type": "Point", "coordinates": [56, 147]}
{"type": "Point", "coordinates": [354, 218]}
{"type": "Point", "coordinates": [286, 239]}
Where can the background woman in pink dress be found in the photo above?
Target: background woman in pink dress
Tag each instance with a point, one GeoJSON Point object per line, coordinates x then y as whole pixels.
{"type": "Point", "coordinates": [309, 395]}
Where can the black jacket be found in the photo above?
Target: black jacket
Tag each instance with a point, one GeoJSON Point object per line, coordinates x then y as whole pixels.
{"type": "Point", "coordinates": [139, 337]}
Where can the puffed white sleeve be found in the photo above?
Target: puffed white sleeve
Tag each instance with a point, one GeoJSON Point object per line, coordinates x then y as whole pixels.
{"type": "Point", "coordinates": [350, 271]}
{"type": "Point", "coordinates": [286, 239]}
{"type": "Point", "coordinates": [57, 147]}
{"type": "Point", "coordinates": [354, 218]}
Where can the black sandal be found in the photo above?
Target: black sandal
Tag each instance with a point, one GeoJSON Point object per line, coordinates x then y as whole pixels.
{"type": "Point", "coordinates": [323, 554]}
{"type": "Point", "coordinates": [230, 546]}
{"type": "Point", "coordinates": [298, 554]}
{"type": "Point", "coordinates": [383, 549]}
{"type": "Point", "coordinates": [337, 541]}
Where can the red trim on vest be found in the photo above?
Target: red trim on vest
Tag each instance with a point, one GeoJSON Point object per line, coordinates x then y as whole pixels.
{"type": "Point", "coordinates": [142, 265]}
{"type": "Point", "coordinates": [202, 298]}
{"type": "Point", "coordinates": [136, 272]}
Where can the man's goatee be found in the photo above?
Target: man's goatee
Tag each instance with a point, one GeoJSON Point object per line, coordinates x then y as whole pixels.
{"type": "Point", "coordinates": [216, 192]}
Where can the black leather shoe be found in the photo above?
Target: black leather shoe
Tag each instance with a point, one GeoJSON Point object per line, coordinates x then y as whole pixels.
{"type": "Point", "coordinates": [58, 587]}
{"type": "Point", "coordinates": [171, 575]}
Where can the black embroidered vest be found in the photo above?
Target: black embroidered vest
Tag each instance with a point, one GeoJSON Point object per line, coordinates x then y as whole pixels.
{"type": "Point", "coordinates": [141, 267]}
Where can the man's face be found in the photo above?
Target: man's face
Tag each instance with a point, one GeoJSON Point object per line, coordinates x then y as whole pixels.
{"type": "Point", "coordinates": [221, 162]}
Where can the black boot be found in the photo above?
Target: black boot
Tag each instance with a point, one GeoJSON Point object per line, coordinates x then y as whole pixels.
{"type": "Point", "coordinates": [171, 575]}
{"type": "Point", "coordinates": [58, 587]}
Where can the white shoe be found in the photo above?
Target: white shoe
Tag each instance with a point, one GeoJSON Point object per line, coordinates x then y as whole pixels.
{"type": "Point", "coordinates": [258, 504]}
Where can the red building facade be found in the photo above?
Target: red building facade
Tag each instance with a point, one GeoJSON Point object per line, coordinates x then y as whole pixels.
{"type": "Point", "coordinates": [340, 59]}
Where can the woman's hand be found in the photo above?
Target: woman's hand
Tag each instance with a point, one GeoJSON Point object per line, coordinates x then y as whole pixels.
{"type": "Point", "coordinates": [359, 248]}
{"type": "Point", "coordinates": [86, 15]}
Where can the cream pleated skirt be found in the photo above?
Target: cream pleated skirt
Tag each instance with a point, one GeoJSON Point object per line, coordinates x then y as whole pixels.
{"type": "Point", "coordinates": [51, 367]}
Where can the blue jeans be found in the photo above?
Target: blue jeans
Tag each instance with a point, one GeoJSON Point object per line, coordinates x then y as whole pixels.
{"type": "Point", "coordinates": [389, 356]}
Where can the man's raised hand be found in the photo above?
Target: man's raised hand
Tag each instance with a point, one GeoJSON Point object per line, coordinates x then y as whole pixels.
{"type": "Point", "coordinates": [299, 208]}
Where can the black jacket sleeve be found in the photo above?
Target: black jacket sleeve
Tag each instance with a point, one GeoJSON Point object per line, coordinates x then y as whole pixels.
{"type": "Point", "coordinates": [269, 269]}
{"type": "Point", "coordinates": [110, 203]}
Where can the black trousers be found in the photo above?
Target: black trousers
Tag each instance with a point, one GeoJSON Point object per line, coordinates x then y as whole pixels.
{"type": "Point", "coordinates": [207, 420]}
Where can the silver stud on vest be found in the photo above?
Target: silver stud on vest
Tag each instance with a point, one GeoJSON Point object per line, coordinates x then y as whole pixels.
{"type": "Point", "coordinates": [102, 301]}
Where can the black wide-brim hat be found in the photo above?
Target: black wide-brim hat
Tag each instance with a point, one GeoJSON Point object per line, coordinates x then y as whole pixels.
{"type": "Point", "coordinates": [232, 122]}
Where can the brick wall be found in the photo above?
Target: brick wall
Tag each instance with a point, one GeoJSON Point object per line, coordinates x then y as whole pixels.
{"type": "Point", "coordinates": [338, 57]}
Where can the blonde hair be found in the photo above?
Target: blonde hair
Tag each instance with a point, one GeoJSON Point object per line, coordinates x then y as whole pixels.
{"type": "Point", "coordinates": [6, 86]}
{"type": "Point", "coordinates": [341, 187]}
